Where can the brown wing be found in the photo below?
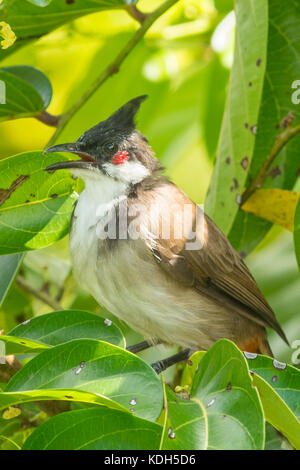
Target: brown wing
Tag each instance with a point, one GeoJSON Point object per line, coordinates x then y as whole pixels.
{"type": "Point", "coordinates": [215, 269]}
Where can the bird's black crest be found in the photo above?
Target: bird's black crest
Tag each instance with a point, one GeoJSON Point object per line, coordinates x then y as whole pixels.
{"type": "Point", "coordinates": [124, 117]}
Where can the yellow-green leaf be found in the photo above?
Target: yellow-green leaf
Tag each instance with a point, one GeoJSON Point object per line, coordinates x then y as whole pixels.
{"type": "Point", "coordinates": [276, 205]}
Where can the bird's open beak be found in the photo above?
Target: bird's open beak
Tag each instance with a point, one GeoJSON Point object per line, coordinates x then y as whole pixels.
{"type": "Point", "coordinates": [85, 161]}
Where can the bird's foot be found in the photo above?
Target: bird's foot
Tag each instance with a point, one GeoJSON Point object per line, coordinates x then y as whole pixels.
{"type": "Point", "coordinates": [162, 365]}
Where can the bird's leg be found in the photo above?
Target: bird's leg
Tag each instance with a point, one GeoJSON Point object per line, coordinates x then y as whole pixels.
{"type": "Point", "coordinates": [135, 348]}
{"type": "Point", "coordinates": [162, 365]}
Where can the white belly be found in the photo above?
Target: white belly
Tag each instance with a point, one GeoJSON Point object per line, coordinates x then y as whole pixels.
{"type": "Point", "coordinates": [127, 281]}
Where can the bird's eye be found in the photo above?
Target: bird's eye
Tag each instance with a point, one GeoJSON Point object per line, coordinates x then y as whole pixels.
{"type": "Point", "coordinates": [111, 147]}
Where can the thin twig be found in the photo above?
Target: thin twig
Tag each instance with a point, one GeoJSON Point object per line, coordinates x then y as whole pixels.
{"type": "Point", "coordinates": [42, 296]}
{"type": "Point", "coordinates": [112, 68]}
{"type": "Point", "coordinates": [48, 119]}
{"type": "Point", "coordinates": [260, 177]}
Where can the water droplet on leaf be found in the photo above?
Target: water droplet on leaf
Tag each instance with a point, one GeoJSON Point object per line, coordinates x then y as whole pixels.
{"type": "Point", "coordinates": [171, 433]}
{"type": "Point", "coordinates": [211, 402]}
{"type": "Point", "coordinates": [249, 355]}
{"type": "Point", "coordinates": [279, 365]}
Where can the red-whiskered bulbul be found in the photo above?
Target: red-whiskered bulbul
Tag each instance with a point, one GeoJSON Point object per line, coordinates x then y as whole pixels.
{"type": "Point", "coordinates": [176, 289]}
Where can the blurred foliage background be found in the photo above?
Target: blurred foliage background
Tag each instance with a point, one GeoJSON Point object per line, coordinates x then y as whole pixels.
{"type": "Point", "coordinates": [183, 64]}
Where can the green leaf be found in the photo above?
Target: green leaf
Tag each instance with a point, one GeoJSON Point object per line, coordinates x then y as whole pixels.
{"type": "Point", "coordinates": [59, 327]}
{"type": "Point", "coordinates": [28, 92]}
{"type": "Point", "coordinates": [223, 384]}
{"type": "Point", "coordinates": [95, 429]}
{"type": "Point", "coordinates": [277, 412]}
{"type": "Point", "coordinates": [297, 233]}
{"type": "Point", "coordinates": [14, 398]}
{"type": "Point", "coordinates": [283, 378]}
{"type": "Point", "coordinates": [236, 144]}
{"type": "Point", "coordinates": [9, 267]}
{"type": "Point", "coordinates": [97, 367]}
{"type": "Point", "coordinates": [16, 441]}
{"type": "Point", "coordinates": [15, 345]}
{"type": "Point", "coordinates": [35, 207]}
{"type": "Point", "coordinates": [29, 21]}
{"type": "Point", "coordinates": [283, 68]}
{"type": "Point", "coordinates": [185, 426]}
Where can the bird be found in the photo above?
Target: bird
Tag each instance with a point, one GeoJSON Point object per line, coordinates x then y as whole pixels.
{"type": "Point", "coordinates": [150, 255]}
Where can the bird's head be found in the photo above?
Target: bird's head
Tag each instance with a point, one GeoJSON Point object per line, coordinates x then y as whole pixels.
{"type": "Point", "coordinates": [113, 148]}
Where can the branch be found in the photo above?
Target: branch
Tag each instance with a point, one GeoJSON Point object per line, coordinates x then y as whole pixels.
{"type": "Point", "coordinates": [42, 296]}
{"type": "Point", "coordinates": [136, 14]}
{"type": "Point", "coordinates": [48, 119]}
{"type": "Point", "coordinates": [260, 177]}
{"type": "Point", "coordinates": [113, 68]}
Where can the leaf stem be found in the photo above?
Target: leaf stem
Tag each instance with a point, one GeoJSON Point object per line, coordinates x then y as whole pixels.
{"type": "Point", "coordinates": [260, 177]}
{"type": "Point", "coordinates": [136, 14]}
{"type": "Point", "coordinates": [48, 119]}
{"type": "Point", "coordinates": [42, 296]}
{"type": "Point", "coordinates": [113, 68]}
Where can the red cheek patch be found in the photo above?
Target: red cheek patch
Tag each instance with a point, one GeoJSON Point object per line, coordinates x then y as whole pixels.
{"type": "Point", "coordinates": [120, 157]}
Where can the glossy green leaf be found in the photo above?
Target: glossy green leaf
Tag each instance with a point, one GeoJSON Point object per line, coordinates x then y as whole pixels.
{"type": "Point", "coordinates": [95, 429]}
{"type": "Point", "coordinates": [16, 345]}
{"type": "Point", "coordinates": [237, 139]}
{"type": "Point", "coordinates": [35, 206]}
{"type": "Point", "coordinates": [9, 267]}
{"type": "Point", "coordinates": [16, 398]}
{"type": "Point", "coordinates": [283, 378]}
{"type": "Point", "coordinates": [59, 327]}
{"type": "Point", "coordinates": [190, 368]}
{"type": "Point", "coordinates": [28, 92]}
{"type": "Point", "coordinates": [223, 384]}
{"type": "Point", "coordinates": [297, 233]}
{"type": "Point", "coordinates": [277, 412]}
{"type": "Point", "coordinates": [29, 21]}
{"type": "Point", "coordinates": [97, 367]}
{"type": "Point", "coordinates": [185, 426]}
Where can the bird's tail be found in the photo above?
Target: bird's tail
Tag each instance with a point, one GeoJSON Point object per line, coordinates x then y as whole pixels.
{"type": "Point", "coordinates": [264, 348]}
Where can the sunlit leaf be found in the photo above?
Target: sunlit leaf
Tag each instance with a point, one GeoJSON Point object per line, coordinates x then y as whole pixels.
{"type": "Point", "coordinates": [276, 205]}
{"type": "Point", "coordinates": [237, 138]}
{"type": "Point", "coordinates": [15, 345]}
{"type": "Point", "coordinates": [55, 328]}
{"type": "Point", "coordinates": [283, 68]}
{"type": "Point", "coordinates": [30, 21]}
{"type": "Point", "coordinates": [10, 399]}
{"type": "Point", "coordinates": [97, 367]}
{"type": "Point", "coordinates": [95, 429]}
{"type": "Point", "coordinates": [223, 384]}
{"type": "Point", "coordinates": [35, 207]}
